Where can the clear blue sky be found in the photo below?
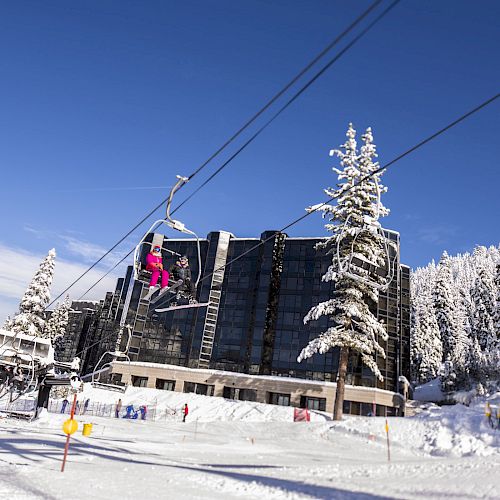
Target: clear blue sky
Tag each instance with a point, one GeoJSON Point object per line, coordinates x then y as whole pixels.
{"type": "Point", "coordinates": [101, 95]}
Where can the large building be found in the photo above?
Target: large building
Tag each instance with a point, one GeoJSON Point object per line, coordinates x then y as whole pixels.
{"type": "Point", "coordinates": [254, 324]}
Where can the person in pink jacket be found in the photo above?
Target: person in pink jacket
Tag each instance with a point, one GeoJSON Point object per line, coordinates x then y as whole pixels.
{"type": "Point", "coordinates": [154, 263]}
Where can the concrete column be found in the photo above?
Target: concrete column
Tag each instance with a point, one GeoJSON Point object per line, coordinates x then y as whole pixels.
{"type": "Point", "coordinates": [127, 378]}
{"type": "Point", "coordinates": [295, 399]}
{"type": "Point", "coordinates": [179, 385]}
{"type": "Point", "coordinates": [218, 390]}
{"type": "Point", "coordinates": [261, 396]}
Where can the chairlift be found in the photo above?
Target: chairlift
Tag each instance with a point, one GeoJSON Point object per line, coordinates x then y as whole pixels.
{"type": "Point", "coordinates": [116, 354]}
{"type": "Point", "coordinates": [140, 272]}
{"type": "Point", "coordinates": [359, 267]}
{"type": "Point", "coordinates": [22, 357]}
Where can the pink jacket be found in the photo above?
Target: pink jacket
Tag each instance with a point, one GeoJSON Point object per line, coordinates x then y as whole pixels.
{"type": "Point", "coordinates": [151, 260]}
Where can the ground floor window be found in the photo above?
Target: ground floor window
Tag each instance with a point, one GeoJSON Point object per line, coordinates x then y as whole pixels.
{"type": "Point", "coordinates": [240, 394]}
{"type": "Point", "coordinates": [313, 403]}
{"type": "Point", "coordinates": [165, 385]}
{"type": "Point", "coordinates": [276, 398]}
{"type": "Point", "coordinates": [202, 389]}
{"type": "Point", "coordinates": [139, 381]}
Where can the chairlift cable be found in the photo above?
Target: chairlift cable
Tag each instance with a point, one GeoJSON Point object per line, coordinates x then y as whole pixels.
{"type": "Point", "coordinates": [366, 177]}
{"type": "Point", "coordinates": [244, 127]}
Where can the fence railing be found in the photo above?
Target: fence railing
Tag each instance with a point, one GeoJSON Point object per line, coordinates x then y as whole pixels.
{"type": "Point", "coordinates": [19, 405]}
{"type": "Point", "coordinates": [134, 412]}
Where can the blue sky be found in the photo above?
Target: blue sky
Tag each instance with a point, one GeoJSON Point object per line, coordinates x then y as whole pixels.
{"type": "Point", "coordinates": [100, 98]}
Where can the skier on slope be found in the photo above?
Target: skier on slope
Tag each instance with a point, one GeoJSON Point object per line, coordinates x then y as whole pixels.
{"type": "Point", "coordinates": [180, 271]}
{"type": "Point", "coordinates": [154, 263]}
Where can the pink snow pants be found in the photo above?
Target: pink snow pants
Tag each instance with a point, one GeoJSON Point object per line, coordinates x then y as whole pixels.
{"type": "Point", "coordinates": [155, 275]}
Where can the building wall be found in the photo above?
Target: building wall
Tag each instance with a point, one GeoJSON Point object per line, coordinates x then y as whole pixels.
{"type": "Point", "coordinates": [264, 297]}
{"type": "Point", "coordinates": [80, 318]}
{"type": "Point", "coordinates": [358, 400]}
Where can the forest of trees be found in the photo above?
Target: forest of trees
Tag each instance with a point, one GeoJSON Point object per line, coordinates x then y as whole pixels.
{"type": "Point", "coordinates": [456, 320]}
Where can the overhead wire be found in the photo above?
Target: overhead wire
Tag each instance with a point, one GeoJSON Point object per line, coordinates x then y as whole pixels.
{"type": "Point", "coordinates": [330, 199]}
{"type": "Point", "coordinates": [334, 42]}
{"type": "Point", "coordinates": [365, 178]}
{"type": "Point", "coordinates": [262, 128]}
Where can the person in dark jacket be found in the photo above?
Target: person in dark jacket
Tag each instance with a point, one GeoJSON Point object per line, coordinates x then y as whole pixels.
{"type": "Point", "coordinates": [180, 271]}
{"type": "Point", "coordinates": [64, 404]}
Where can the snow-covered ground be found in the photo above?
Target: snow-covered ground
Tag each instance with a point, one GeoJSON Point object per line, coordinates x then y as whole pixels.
{"type": "Point", "coordinates": [230, 449]}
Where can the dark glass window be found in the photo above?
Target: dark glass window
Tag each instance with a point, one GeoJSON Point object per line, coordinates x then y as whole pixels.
{"type": "Point", "coordinates": [276, 398]}
{"type": "Point", "coordinates": [139, 381]}
{"type": "Point", "coordinates": [166, 385]}
{"type": "Point", "coordinates": [313, 403]}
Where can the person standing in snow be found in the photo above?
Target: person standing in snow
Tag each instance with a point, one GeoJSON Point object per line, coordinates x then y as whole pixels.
{"type": "Point", "coordinates": [64, 404]}
{"type": "Point", "coordinates": [118, 408]}
{"type": "Point", "coordinates": [143, 409]}
{"type": "Point", "coordinates": [154, 263]}
{"type": "Point", "coordinates": [185, 412]}
{"type": "Point", "coordinates": [85, 406]}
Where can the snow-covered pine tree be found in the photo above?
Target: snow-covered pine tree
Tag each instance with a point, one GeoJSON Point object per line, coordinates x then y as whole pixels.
{"type": "Point", "coordinates": [426, 348]}
{"type": "Point", "coordinates": [455, 342]}
{"type": "Point", "coordinates": [355, 327]}
{"type": "Point", "coordinates": [30, 318]}
{"type": "Point", "coordinates": [496, 316]}
{"type": "Point", "coordinates": [492, 360]}
{"type": "Point", "coordinates": [483, 296]}
{"type": "Point", "coordinates": [56, 326]}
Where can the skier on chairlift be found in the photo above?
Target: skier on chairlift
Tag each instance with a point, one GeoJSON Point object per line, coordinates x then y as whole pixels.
{"type": "Point", "coordinates": [154, 263]}
{"type": "Point", "coordinates": [180, 271]}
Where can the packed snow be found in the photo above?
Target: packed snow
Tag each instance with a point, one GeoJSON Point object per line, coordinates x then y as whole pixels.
{"type": "Point", "coordinates": [233, 449]}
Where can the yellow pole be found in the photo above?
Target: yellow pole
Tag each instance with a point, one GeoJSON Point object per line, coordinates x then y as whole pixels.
{"type": "Point", "coordinates": [388, 443]}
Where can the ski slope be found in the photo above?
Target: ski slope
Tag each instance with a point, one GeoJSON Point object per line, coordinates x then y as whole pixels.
{"type": "Point", "coordinates": [230, 449]}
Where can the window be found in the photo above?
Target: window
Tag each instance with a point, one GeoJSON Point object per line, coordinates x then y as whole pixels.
{"type": "Point", "coordinates": [139, 381]}
{"type": "Point", "coordinates": [166, 385]}
{"type": "Point", "coordinates": [228, 392]}
{"type": "Point", "coordinates": [247, 395]}
{"type": "Point", "coordinates": [313, 403]}
{"type": "Point", "coordinates": [275, 398]}
{"type": "Point", "coordinates": [202, 389]}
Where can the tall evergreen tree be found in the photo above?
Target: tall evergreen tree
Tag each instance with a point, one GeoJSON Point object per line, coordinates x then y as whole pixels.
{"type": "Point", "coordinates": [496, 316]}
{"type": "Point", "coordinates": [30, 318]}
{"type": "Point", "coordinates": [483, 295]}
{"type": "Point", "coordinates": [354, 326]}
{"type": "Point", "coordinates": [426, 348]}
{"type": "Point", "coordinates": [446, 316]}
{"type": "Point", "coordinates": [57, 324]}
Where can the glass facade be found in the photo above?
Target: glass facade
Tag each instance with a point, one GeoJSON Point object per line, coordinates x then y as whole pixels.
{"type": "Point", "coordinates": [256, 322]}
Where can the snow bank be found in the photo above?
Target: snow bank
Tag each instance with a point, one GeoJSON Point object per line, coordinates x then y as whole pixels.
{"type": "Point", "coordinates": [431, 391]}
{"type": "Point", "coordinates": [167, 405]}
{"type": "Point", "coordinates": [451, 431]}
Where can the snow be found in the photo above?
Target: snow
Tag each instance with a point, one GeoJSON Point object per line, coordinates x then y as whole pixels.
{"type": "Point", "coordinates": [228, 449]}
{"type": "Point", "coordinates": [431, 391]}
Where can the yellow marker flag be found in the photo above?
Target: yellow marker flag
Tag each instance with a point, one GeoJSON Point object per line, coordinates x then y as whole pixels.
{"type": "Point", "coordinates": [70, 426]}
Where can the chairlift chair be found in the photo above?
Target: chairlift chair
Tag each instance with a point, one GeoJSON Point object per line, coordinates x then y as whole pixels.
{"type": "Point", "coordinates": [357, 266]}
{"type": "Point", "coordinates": [140, 272]}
